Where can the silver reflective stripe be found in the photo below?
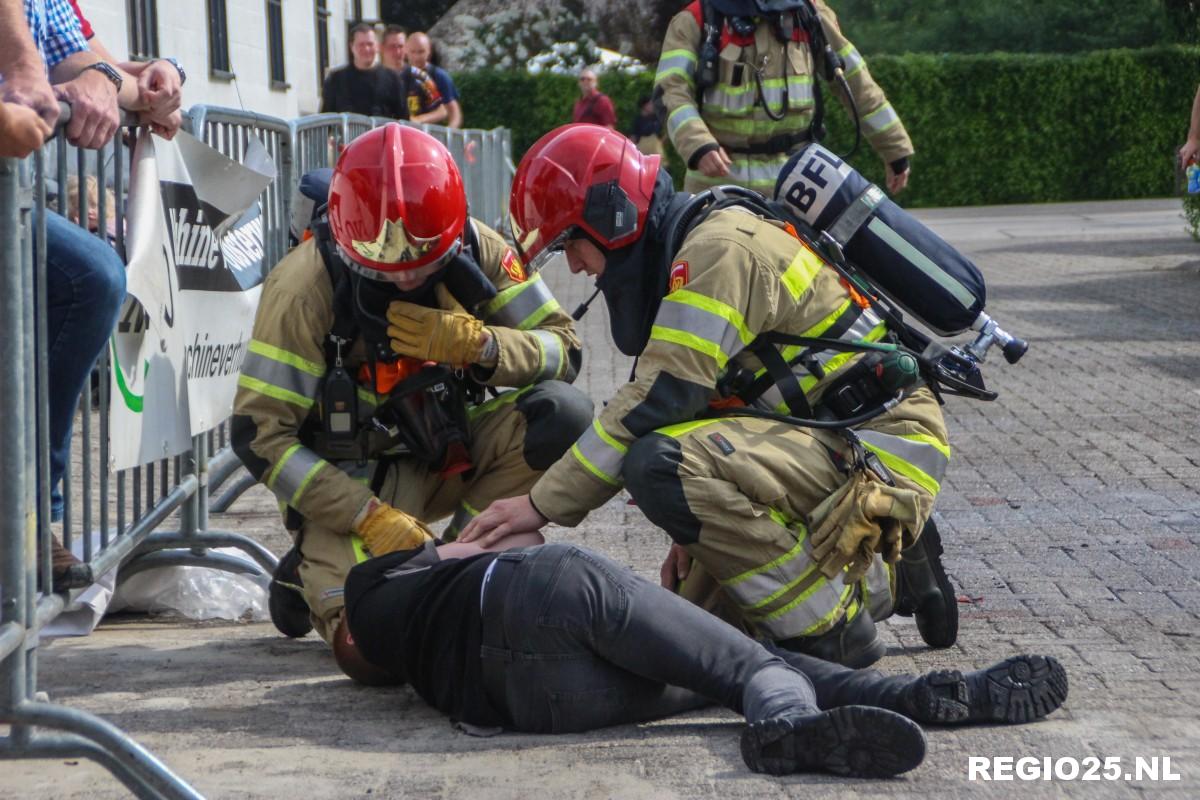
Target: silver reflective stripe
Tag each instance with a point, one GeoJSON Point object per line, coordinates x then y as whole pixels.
{"type": "Point", "coordinates": [877, 589]}
{"type": "Point", "coordinates": [676, 62]}
{"type": "Point", "coordinates": [815, 612]}
{"type": "Point", "coordinates": [281, 375]}
{"type": "Point", "coordinates": [292, 474]}
{"type": "Point", "coordinates": [919, 260]}
{"type": "Point", "coordinates": [855, 214]}
{"type": "Point", "coordinates": [852, 58]}
{"type": "Point", "coordinates": [880, 119]}
{"type": "Point", "coordinates": [681, 116]}
{"type": "Point", "coordinates": [745, 172]}
{"type": "Point", "coordinates": [698, 322]}
{"type": "Point", "coordinates": [925, 457]}
{"type": "Point", "coordinates": [517, 304]}
{"type": "Point", "coordinates": [742, 100]}
{"type": "Point", "coordinates": [551, 358]}
{"type": "Point", "coordinates": [604, 459]}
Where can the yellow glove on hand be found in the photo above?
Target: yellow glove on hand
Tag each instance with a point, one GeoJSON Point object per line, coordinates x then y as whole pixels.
{"type": "Point", "coordinates": [385, 530]}
{"type": "Point", "coordinates": [448, 335]}
{"type": "Point", "coordinates": [862, 518]}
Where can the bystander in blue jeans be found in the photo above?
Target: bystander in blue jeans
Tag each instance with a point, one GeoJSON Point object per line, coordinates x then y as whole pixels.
{"type": "Point", "coordinates": [85, 280]}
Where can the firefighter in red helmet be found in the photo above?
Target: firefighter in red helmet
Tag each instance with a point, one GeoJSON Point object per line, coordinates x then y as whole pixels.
{"type": "Point", "coordinates": [793, 532]}
{"type": "Point", "coordinates": [360, 404]}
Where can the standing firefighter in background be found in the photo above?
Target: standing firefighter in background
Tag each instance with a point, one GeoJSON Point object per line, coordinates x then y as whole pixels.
{"type": "Point", "coordinates": [737, 78]}
{"type": "Point", "coordinates": [360, 404]}
{"type": "Point", "coordinates": [787, 520]}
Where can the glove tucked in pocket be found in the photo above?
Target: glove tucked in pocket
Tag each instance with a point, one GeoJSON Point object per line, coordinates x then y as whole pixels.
{"type": "Point", "coordinates": [862, 518]}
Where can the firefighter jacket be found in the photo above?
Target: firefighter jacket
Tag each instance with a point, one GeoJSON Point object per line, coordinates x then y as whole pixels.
{"type": "Point", "coordinates": [278, 399]}
{"type": "Point", "coordinates": [736, 276]}
{"type": "Point", "coordinates": [731, 112]}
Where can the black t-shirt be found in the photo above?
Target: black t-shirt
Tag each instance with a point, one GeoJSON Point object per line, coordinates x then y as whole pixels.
{"type": "Point", "coordinates": [425, 623]}
{"type": "Point", "coordinates": [376, 92]}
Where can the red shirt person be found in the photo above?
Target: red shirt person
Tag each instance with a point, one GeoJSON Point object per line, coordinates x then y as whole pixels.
{"type": "Point", "coordinates": [594, 106]}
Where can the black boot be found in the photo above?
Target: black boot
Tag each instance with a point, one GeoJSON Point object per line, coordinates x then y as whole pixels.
{"type": "Point", "coordinates": [924, 591]}
{"type": "Point", "coordinates": [851, 740]}
{"type": "Point", "coordinates": [285, 600]}
{"type": "Point", "coordinates": [1019, 689]}
{"type": "Point", "coordinates": [853, 643]}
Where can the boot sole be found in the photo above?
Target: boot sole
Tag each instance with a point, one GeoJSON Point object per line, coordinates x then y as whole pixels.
{"type": "Point", "coordinates": [856, 741]}
{"type": "Point", "coordinates": [1017, 690]}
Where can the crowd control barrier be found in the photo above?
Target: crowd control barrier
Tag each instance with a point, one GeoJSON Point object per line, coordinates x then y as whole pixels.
{"type": "Point", "coordinates": [113, 518]}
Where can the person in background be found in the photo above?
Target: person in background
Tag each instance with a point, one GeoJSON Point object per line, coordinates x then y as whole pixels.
{"type": "Point", "coordinates": [391, 53]}
{"type": "Point", "coordinates": [42, 39]}
{"type": "Point", "coordinates": [645, 130]}
{"type": "Point", "coordinates": [155, 86]}
{"type": "Point", "coordinates": [362, 86]}
{"type": "Point", "coordinates": [1191, 148]}
{"type": "Point", "coordinates": [593, 105]}
{"type": "Point", "coordinates": [93, 205]}
{"type": "Point", "coordinates": [21, 130]}
{"type": "Point", "coordinates": [417, 51]}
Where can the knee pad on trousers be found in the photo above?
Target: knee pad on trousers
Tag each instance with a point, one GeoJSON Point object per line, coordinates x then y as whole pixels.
{"type": "Point", "coordinates": [556, 414]}
{"type": "Point", "coordinates": [651, 472]}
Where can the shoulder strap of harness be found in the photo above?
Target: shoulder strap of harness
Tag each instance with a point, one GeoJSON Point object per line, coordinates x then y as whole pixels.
{"type": "Point", "coordinates": [345, 326]}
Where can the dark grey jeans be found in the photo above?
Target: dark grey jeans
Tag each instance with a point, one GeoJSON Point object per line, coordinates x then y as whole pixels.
{"type": "Point", "coordinates": [573, 641]}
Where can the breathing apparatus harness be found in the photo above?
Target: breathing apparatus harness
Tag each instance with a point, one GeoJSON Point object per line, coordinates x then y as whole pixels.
{"type": "Point", "coordinates": [791, 20]}
{"type": "Point", "coordinates": [424, 415]}
{"type": "Point", "coordinates": [890, 371]}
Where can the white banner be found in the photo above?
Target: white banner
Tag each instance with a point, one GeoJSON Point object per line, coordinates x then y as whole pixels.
{"type": "Point", "coordinates": [196, 266]}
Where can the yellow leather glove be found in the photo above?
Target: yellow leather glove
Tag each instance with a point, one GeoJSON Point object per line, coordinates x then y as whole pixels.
{"type": "Point", "coordinates": [862, 518]}
{"type": "Point", "coordinates": [447, 335]}
{"type": "Point", "coordinates": [385, 530]}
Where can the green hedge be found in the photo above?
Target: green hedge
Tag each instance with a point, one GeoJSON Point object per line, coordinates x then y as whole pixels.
{"type": "Point", "coordinates": [1002, 128]}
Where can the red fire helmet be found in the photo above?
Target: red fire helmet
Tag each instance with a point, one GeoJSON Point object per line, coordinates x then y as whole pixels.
{"type": "Point", "coordinates": [580, 178]}
{"type": "Point", "coordinates": [396, 202]}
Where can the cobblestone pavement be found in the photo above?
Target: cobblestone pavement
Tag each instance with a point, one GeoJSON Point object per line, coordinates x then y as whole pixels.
{"type": "Point", "coordinates": [1072, 525]}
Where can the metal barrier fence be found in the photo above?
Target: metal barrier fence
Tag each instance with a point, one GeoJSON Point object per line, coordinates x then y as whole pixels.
{"type": "Point", "coordinates": [116, 514]}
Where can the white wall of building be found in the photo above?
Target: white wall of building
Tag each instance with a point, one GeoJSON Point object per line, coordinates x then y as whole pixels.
{"type": "Point", "coordinates": [183, 34]}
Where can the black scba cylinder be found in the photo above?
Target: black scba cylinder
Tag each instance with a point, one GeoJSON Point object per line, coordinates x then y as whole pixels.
{"type": "Point", "coordinates": [909, 263]}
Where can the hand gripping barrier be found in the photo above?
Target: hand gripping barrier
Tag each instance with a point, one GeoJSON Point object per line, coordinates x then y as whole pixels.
{"type": "Point", "coordinates": [116, 513]}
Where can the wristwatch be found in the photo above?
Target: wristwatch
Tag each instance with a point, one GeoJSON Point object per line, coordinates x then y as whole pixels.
{"type": "Point", "coordinates": [174, 63]}
{"type": "Point", "coordinates": [108, 71]}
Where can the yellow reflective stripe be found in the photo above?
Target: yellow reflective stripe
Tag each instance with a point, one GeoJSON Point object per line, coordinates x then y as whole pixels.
{"type": "Point", "coordinates": [925, 438]}
{"type": "Point", "coordinates": [801, 271]}
{"type": "Point", "coordinates": [312, 473]}
{"type": "Point", "coordinates": [607, 438]}
{"type": "Point", "coordinates": [283, 356]}
{"type": "Point", "coordinates": [783, 559]}
{"type": "Point", "coordinates": [360, 550]}
{"type": "Point", "coordinates": [474, 512]}
{"type": "Point", "coordinates": [684, 428]}
{"type": "Point", "coordinates": [535, 319]}
{"type": "Point", "coordinates": [504, 398]}
{"type": "Point", "coordinates": [824, 325]}
{"type": "Point", "coordinates": [592, 468]}
{"type": "Point", "coordinates": [906, 468]}
{"type": "Point", "coordinates": [287, 456]}
{"type": "Point", "coordinates": [367, 396]}
{"type": "Point", "coordinates": [713, 306]}
{"type": "Point", "coordinates": [686, 54]}
{"type": "Point", "coordinates": [690, 341]}
{"type": "Point", "coordinates": [825, 620]}
{"type": "Point", "coordinates": [278, 393]}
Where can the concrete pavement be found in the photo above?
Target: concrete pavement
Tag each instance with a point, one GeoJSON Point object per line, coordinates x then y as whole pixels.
{"type": "Point", "coordinates": [1071, 518]}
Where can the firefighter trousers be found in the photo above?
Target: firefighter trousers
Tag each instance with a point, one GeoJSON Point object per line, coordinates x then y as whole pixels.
{"type": "Point", "coordinates": [736, 493]}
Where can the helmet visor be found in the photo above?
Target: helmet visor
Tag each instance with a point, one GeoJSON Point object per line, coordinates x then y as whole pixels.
{"type": "Point", "coordinates": [553, 248]}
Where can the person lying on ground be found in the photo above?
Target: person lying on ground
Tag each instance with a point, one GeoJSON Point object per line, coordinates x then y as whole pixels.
{"type": "Point", "coordinates": [473, 632]}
